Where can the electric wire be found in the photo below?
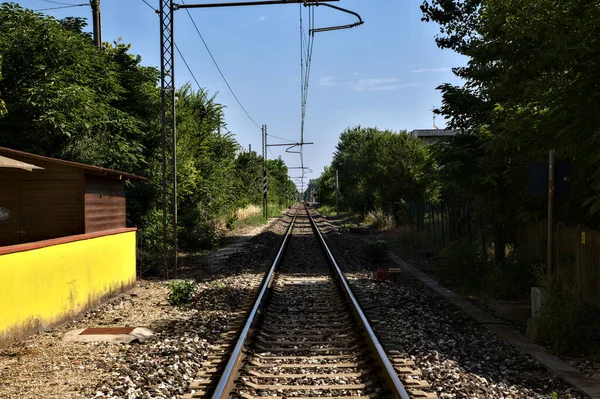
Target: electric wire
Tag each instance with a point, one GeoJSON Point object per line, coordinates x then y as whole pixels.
{"type": "Point", "coordinates": [57, 8]}
{"type": "Point", "coordinates": [218, 68]}
{"type": "Point", "coordinates": [280, 138]}
{"type": "Point", "coordinates": [58, 2]}
{"type": "Point", "coordinates": [306, 51]}
{"type": "Point", "coordinates": [188, 67]}
{"type": "Point", "coordinates": [149, 5]}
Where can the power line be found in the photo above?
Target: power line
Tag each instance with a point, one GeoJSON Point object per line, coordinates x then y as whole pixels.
{"type": "Point", "coordinates": [188, 67]}
{"type": "Point", "coordinates": [149, 5]}
{"type": "Point", "coordinates": [219, 69]}
{"type": "Point", "coordinates": [56, 8]}
{"type": "Point", "coordinates": [281, 138]}
{"type": "Point", "coordinates": [58, 2]}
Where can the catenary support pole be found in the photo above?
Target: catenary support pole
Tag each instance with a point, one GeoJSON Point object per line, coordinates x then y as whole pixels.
{"type": "Point", "coordinates": [550, 210]}
{"type": "Point", "coordinates": [337, 194]}
{"type": "Point", "coordinates": [265, 188]}
{"type": "Point", "coordinates": [97, 22]}
{"type": "Point", "coordinates": [169, 159]}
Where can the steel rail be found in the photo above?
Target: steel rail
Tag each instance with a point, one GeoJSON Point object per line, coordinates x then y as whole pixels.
{"type": "Point", "coordinates": [392, 380]}
{"type": "Point", "coordinates": [226, 380]}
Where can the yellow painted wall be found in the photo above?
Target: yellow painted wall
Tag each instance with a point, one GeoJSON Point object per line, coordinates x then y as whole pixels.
{"type": "Point", "coordinates": [41, 287]}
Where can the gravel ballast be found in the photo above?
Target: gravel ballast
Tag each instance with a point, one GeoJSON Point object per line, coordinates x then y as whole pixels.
{"type": "Point", "coordinates": [458, 357]}
{"type": "Point", "coordinates": [43, 366]}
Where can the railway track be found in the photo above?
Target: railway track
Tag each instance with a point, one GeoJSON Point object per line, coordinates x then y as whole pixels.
{"type": "Point", "coordinates": [306, 335]}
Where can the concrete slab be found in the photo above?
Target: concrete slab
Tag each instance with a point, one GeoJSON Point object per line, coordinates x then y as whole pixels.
{"type": "Point", "coordinates": [117, 335]}
{"type": "Point", "coordinates": [576, 378]}
{"type": "Point", "coordinates": [517, 311]}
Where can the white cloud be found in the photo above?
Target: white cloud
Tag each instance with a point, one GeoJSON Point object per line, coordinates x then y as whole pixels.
{"type": "Point", "coordinates": [434, 70]}
{"type": "Point", "coordinates": [380, 84]}
{"type": "Point", "coordinates": [327, 81]}
{"type": "Point", "coordinates": [262, 18]}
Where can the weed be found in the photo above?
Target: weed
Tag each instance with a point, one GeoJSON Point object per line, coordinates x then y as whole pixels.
{"type": "Point", "coordinates": [180, 292]}
{"type": "Point", "coordinates": [218, 285]}
{"type": "Point", "coordinates": [327, 210]}
{"type": "Point", "coordinates": [510, 279]}
{"type": "Point", "coordinates": [377, 251]}
{"type": "Point", "coordinates": [562, 318]}
{"type": "Point", "coordinates": [461, 265]}
{"type": "Point", "coordinates": [380, 220]}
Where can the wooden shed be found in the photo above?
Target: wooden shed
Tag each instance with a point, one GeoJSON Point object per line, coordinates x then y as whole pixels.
{"type": "Point", "coordinates": [54, 198]}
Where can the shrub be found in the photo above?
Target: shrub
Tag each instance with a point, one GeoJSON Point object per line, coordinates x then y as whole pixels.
{"type": "Point", "coordinates": [561, 322]}
{"type": "Point", "coordinates": [460, 264]}
{"type": "Point", "coordinates": [380, 220]}
{"type": "Point", "coordinates": [377, 251]}
{"type": "Point", "coordinates": [510, 279]}
{"type": "Point", "coordinates": [180, 292]}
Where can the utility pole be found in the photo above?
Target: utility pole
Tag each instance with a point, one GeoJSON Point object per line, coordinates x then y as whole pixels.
{"type": "Point", "coordinates": [337, 194]}
{"type": "Point", "coordinates": [264, 152]}
{"type": "Point", "coordinates": [168, 128]}
{"type": "Point", "coordinates": [96, 22]}
{"type": "Point", "coordinates": [550, 209]}
{"type": "Point", "coordinates": [169, 136]}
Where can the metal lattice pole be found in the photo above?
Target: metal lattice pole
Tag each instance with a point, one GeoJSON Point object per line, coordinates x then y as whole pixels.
{"type": "Point", "coordinates": [265, 188]}
{"type": "Point", "coordinates": [169, 159]}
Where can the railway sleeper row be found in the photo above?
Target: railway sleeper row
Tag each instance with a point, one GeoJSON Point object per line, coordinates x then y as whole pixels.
{"type": "Point", "coordinates": [307, 346]}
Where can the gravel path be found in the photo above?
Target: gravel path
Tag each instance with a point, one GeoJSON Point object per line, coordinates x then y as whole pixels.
{"type": "Point", "coordinates": [43, 366]}
{"type": "Point", "coordinates": [458, 357]}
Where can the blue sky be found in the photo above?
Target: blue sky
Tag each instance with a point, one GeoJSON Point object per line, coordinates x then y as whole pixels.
{"type": "Point", "coordinates": [381, 74]}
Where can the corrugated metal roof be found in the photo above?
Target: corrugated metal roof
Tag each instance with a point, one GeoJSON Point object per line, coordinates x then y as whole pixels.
{"type": "Point", "coordinates": [6, 162]}
{"type": "Point", "coordinates": [93, 169]}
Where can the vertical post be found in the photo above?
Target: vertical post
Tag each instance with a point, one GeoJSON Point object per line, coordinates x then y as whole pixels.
{"type": "Point", "coordinates": [337, 194]}
{"type": "Point", "coordinates": [250, 148]}
{"type": "Point", "coordinates": [169, 159]}
{"type": "Point", "coordinates": [442, 200]}
{"type": "Point", "coordinates": [264, 152]}
{"type": "Point", "coordinates": [97, 22]}
{"type": "Point", "coordinates": [550, 209]}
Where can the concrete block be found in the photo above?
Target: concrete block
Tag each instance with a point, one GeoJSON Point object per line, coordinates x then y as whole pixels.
{"type": "Point", "coordinates": [538, 300]}
{"type": "Point", "coordinates": [139, 334]}
{"type": "Point", "coordinates": [532, 331]}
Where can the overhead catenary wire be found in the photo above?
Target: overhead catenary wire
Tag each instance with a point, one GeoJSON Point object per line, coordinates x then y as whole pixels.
{"type": "Point", "coordinates": [58, 2]}
{"type": "Point", "coordinates": [150, 5]}
{"type": "Point", "coordinates": [57, 8]}
{"type": "Point", "coordinates": [218, 68]}
{"type": "Point", "coordinates": [213, 59]}
{"type": "Point", "coordinates": [306, 51]}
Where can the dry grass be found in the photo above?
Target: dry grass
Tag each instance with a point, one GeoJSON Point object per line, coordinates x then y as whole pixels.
{"type": "Point", "coordinates": [380, 220]}
{"type": "Point", "coordinates": [250, 210]}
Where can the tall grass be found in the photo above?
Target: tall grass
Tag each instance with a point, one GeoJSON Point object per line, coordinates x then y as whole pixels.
{"type": "Point", "coordinates": [252, 215]}
{"type": "Point", "coordinates": [380, 220]}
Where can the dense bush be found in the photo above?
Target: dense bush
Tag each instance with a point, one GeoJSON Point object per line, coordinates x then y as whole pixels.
{"type": "Point", "coordinates": [562, 320]}
{"type": "Point", "coordinates": [460, 264]}
{"type": "Point", "coordinates": [377, 251]}
{"type": "Point", "coordinates": [510, 279]}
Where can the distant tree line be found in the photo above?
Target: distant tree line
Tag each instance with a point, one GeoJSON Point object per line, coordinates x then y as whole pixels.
{"type": "Point", "coordinates": [63, 97]}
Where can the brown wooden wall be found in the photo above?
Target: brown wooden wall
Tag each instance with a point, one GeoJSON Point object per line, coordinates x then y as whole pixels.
{"type": "Point", "coordinates": [104, 204]}
{"type": "Point", "coordinates": [43, 204]}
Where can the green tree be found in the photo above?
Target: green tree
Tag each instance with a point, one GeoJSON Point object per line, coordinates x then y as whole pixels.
{"type": "Point", "coordinates": [528, 86]}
